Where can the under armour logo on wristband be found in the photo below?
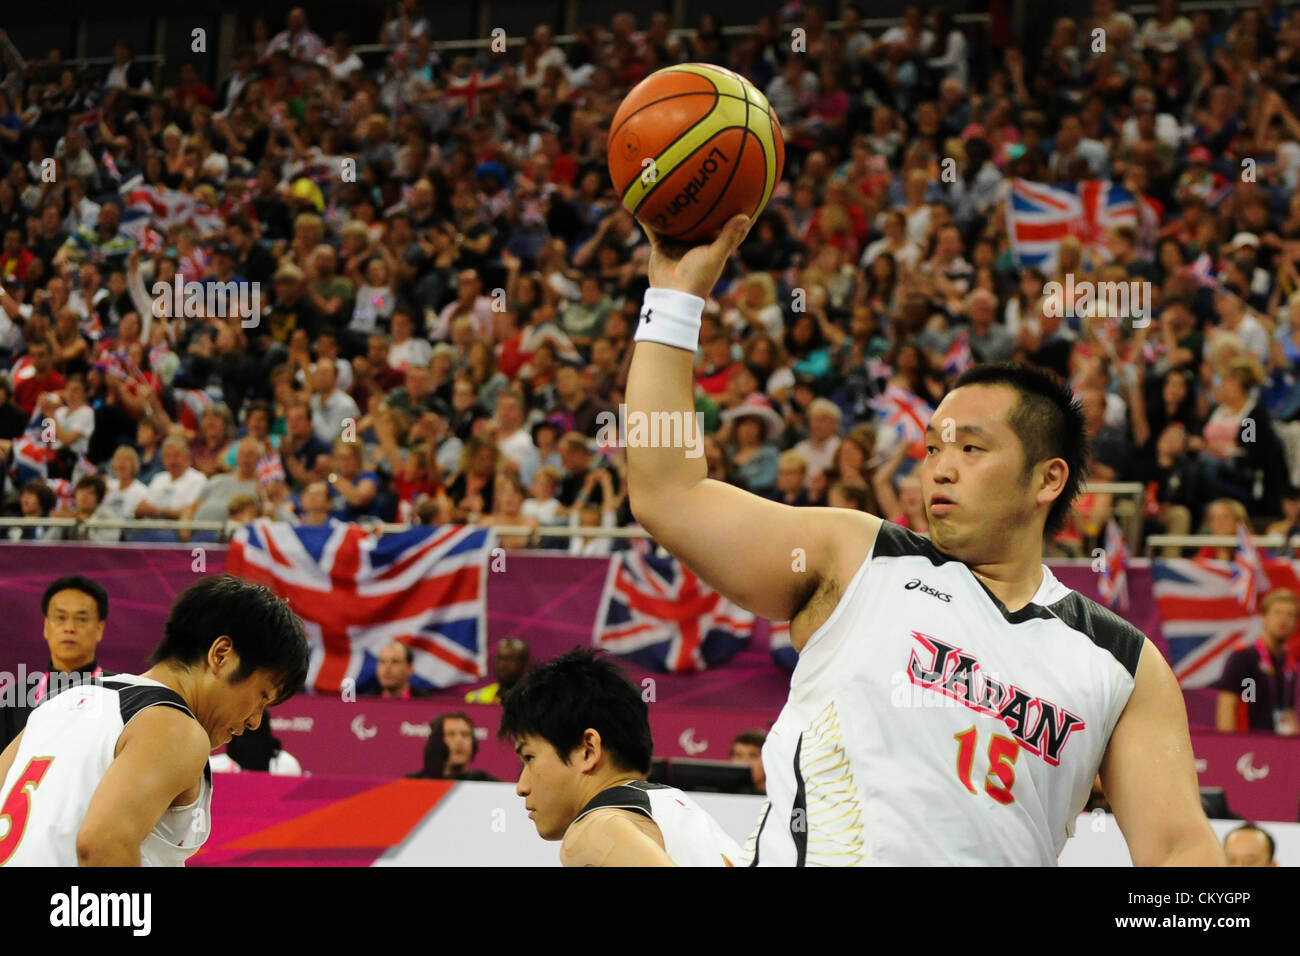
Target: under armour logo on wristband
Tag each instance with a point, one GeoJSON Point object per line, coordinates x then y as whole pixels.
{"type": "Point", "coordinates": [645, 313]}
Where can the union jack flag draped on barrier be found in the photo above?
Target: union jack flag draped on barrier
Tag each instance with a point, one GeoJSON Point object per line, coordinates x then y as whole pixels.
{"type": "Point", "coordinates": [1040, 216]}
{"type": "Point", "coordinates": [657, 613]}
{"type": "Point", "coordinates": [425, 587]}
{"type": "Point", "coordinates": [1202, 615]}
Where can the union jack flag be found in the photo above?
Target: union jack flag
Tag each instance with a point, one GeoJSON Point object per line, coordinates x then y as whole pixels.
{"type": "Point", "coordinates": [657, 613]}
{"type": "Point", "coordinates": [1201, 614]}
{"type": "Point", "coordinates": [270, 470]}
{"type": "Point", "coordinates": [110, 166]}
{"type": "Point", "coordinates": [878, 370]}
{"type": "Point", "coordinates": [63, 490]}
{"type": "Point", "coordinates": [1202, 270]}
{"type": "Point", "coordinates": [205, 220]}
{"type": "Point", "coordinates": [1249, 578]}
{"type": "Point", "coordinates": [192, 403]}
{"type": "Point", "coordinates": [1040, 216]}
{"type": "Point", "coordinates": [424, 587]}
{"type": "Point", "coordinates": [959, 356]}
{"type": "Point", "coordinates": [1113, 584]}
{"type": "Point", "coordinates": [469, 87]}
{"type": "Point", "coordinates": [166, 207]}
{"type": "Point", "coordinates": [31, 456]}
{"type": "Point", "coordinates": [904, 412]}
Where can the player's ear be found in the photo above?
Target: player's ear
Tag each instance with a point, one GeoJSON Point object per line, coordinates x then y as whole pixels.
{"type": "Point", "coordinates": [221, 652]}
{"type": "Point", "coordinates": [591, 748]}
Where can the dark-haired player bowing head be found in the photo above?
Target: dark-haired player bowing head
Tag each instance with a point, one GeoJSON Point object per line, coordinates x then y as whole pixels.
{"type": "Point", "coordinates": [583, 738]}
{"type": "Point", "coordinates": [116, 773]}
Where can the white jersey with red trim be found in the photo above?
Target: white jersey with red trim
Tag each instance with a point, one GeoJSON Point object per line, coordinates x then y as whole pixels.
{"type": "Point", "coordinates": [66, 748]}
{"type": "Point", "coordinates": [929, 725]}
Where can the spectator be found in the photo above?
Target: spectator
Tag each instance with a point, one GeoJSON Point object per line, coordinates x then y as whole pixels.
{"type": "Point", "coordinates": [331, 407]}
{"type": "Point", "coordinates": [220, 489]}
{"type": "Point", "coordinates": [174, 489]}
{"type": "Point", "coordinates": [88, 496]}
{"type": "Point", "coordinates": [819, 448]}
{"type": "Point", "coordinates": [355, 488]}
{"type": "Point", "coordinates": [405, 350]}
{"type": "Point", "coordinates": [74, 420]}
{"type": "Point", "coordinates": [394, 668]}
{"type": "Point", "coordinates": [510, 664]}
{"type": "Point", "coordinates": [36, 376]}
{"type": "Point", "coordinates": [752, 426]}
{"type": "Point", "coordinates": [317, 509]}
{"type": "Point", "coordinates": [209, 449]}
{"type": "Point", "coordinates": [513, 440]}
{"type": "Point", "coordinates": [755, 307]}
{"type": "Point", "coordinates": [791, 480]}
{"type": "Point", "coordinates": [148, 447]}
{"type": "Point", "coordinates": [508, 501]}
{"type": "Point", "coordinates": [584, 321]}
{"type": "Point", "coordinates": [1249, 845]}
{"type": "Point", "coordinates": [452, 746]}
{"type": "Point", "coordinates": [589, 511]}
{"type": "Point", "coordinates": [575, 404]}
{"type": "Point", "coordinates": [747, 748]}
{"type": "Point", "coordinates": [1258, 688]}
{"type": "Point", "coordinates": [36, 500]}
{"type": "Point", "coordinates": [543, 507]}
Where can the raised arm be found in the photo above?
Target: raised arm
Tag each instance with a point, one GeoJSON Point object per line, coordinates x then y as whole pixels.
{"type": "Point", "coordinates": [767, 557]}
{"type": "Point", "coordinates": [1150, 778]}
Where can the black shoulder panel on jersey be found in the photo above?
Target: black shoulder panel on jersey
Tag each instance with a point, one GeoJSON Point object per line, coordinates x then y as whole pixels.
{"type": "Point", "coordinates": [895, 541]}
{"type": "Point", "coordinates": [134, 698]}
{"type": "Point", "coordinates": [629, 796]}
{"type": "Point", "coordinates": [1104, 627]}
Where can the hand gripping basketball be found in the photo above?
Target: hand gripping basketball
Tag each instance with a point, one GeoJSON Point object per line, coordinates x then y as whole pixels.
{"type": "Point", "coordinates": [694, 269]}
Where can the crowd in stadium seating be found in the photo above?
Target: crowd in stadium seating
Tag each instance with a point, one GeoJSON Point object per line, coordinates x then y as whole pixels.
{"type": "Point", "coordinates": [448, 286]}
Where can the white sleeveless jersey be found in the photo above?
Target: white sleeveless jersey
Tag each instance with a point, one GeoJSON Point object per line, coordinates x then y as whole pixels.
{"type": "Point", "coordinates": [66, 748]}
{"type": "Point", "coordinates": [929, 725]}
{"type": "Point", "coordinates": [691, 836]}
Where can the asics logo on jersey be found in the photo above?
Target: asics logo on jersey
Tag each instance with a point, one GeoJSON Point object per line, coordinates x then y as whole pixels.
{"type": "Point", "coordinates": [1043, 728]}
{"type": "Point", "coordinates": [917, 584]}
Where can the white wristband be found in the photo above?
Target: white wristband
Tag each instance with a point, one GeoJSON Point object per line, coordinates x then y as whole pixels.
{"type": "Point", "coordinates": [671, 318]}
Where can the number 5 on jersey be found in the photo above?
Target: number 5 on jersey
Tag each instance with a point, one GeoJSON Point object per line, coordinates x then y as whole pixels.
{"type": "Point", "coordinates": [1003, 752]}
{"type": "Point", "coordinates": [16, 809]}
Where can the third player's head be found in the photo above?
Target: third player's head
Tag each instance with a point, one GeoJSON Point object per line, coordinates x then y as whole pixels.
{"type": "Point", "coordinates": [1005, 456]}
{"type": "Point", "coordinates": [237, 649]}
{"type": "Point", "coordinates": [579, 726]}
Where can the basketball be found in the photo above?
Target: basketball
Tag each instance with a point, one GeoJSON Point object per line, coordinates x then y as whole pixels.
{"type": "Point", "coordinates": [691, 146]}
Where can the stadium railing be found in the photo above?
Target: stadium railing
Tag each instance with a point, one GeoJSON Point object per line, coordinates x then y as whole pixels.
{"type": "Point", "coordinates": [224, 528]}
{"type": "Point", "coordinates": [1128, 506]}
{"type": "Point", "coordinates": [1216, 541]}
